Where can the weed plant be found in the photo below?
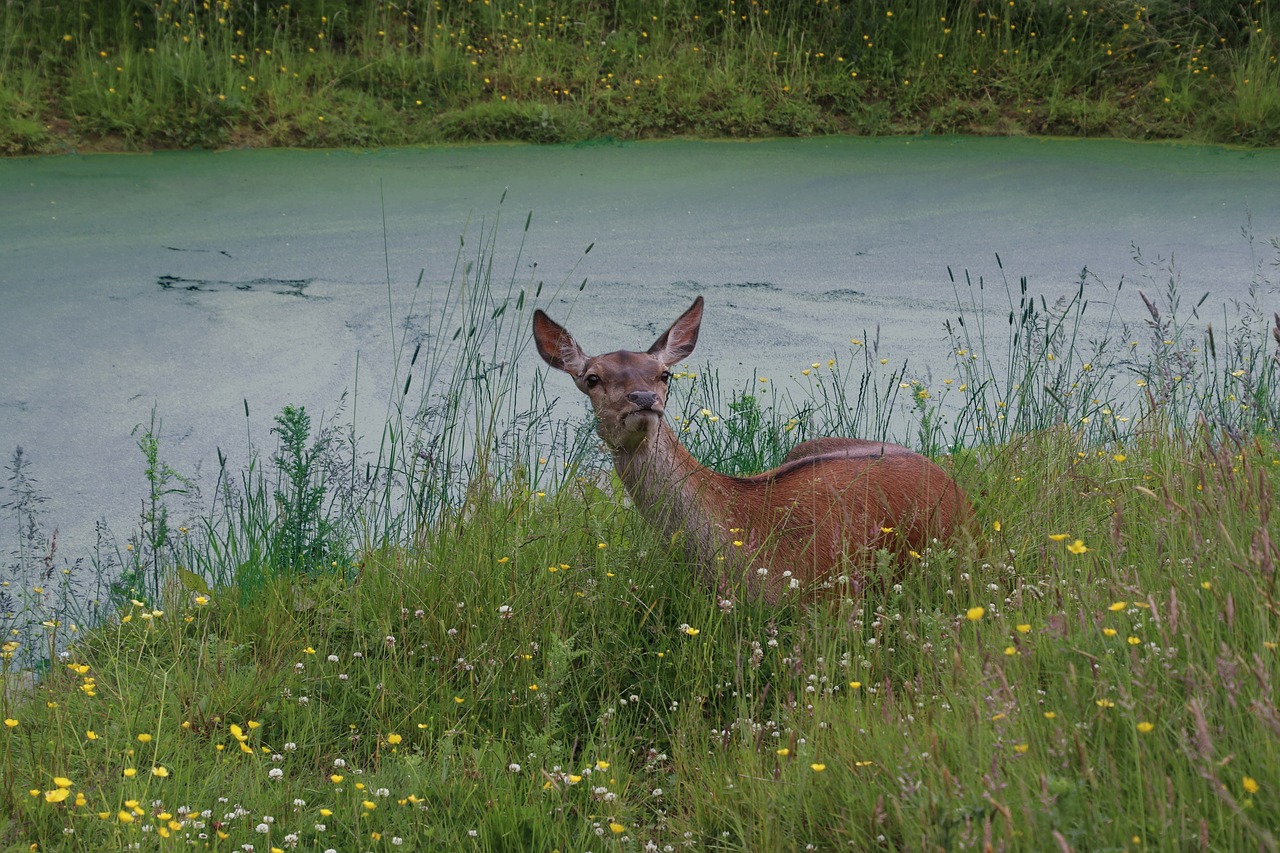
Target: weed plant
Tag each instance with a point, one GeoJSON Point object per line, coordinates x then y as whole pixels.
{"type": "Point", "coordinates": [182, 73]}
{"type": "Point", "coordinates": [506, 658]}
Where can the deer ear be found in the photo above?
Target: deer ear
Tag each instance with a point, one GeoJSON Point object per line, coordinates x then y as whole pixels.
{"type": "Point", "coordinates": [556, 346]}
{"type": "Point", "coordinates": [676, 343]}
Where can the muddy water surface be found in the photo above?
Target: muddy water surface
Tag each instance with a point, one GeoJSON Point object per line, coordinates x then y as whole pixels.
{"type": "Point", "coordinates": [193, 282]}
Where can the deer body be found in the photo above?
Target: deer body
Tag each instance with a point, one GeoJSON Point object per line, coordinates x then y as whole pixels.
{"type": "Point", "coordinates": [824, 511]}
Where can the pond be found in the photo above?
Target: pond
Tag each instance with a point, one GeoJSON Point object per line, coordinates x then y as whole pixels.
{"type": "Point", "coordinates": [198, 282]}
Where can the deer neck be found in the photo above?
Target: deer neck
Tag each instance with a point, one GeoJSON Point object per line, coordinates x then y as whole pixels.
{"type": "Point", "coordinates": [683, 499]}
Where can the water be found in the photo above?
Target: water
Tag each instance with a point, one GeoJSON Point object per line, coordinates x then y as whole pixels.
{"type": "Point", "coordinates": [194, 282]}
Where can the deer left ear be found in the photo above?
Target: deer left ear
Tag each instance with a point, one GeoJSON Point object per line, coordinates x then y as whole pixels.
{"type": "Point", "coordinates": [556, 346]}
{"type": "Point", "coordinates": [677, 343]}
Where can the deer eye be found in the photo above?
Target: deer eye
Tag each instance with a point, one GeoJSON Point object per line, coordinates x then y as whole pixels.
{"type": "Point", "coordinates": [592, 380]}
{"type": "Point", "coordinates": [666, 376]}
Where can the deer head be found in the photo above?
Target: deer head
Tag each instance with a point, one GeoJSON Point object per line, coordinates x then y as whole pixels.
{"type": "Point", "coordinates": [628, 390]}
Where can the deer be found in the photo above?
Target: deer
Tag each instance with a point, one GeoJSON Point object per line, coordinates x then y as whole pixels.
{"type": "Point", "coordinates": [823, 514]}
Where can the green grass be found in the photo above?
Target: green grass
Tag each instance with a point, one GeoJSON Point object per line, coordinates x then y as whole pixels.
{"type": "Point", "coordinates": [466, 639]}
{"type": "Point", "coordinates": [128, 74]}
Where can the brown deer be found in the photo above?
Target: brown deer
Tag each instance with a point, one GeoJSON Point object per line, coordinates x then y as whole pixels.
{"type": "Point", "coordinates": [823, 512]}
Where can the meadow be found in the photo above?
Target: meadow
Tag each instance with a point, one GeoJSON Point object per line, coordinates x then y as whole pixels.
{"type": "Point", "coordinates": [135, 75]}
{"type": "Point", "coordinates": [465, 638]}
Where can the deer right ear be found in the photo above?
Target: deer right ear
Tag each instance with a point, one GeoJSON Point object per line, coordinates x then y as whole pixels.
{"type": "Point", "coordinates": [556, 346]}
{"type": "Point", "coordinates": [677, 343]}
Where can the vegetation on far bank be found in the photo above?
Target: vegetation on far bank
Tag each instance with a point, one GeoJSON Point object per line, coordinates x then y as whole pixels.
{"type": "Point", "coordinates": [465, 639]}
{"type": "Point", "coordinates": [140, 74]}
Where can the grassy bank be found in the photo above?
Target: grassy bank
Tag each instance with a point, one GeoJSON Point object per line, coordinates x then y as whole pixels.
{"type": "Point", "coordinates": [463, 638]}
{"type": "Point", "coordinates": [181, 73]}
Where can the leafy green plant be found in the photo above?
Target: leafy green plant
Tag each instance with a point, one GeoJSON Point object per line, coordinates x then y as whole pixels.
{"type": "Point", "coordinates": [307, 538]}
{"type": "Point", "coordinates": [152, 548]}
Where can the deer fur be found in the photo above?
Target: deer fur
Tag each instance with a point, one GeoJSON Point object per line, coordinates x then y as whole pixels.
{"type": "Point", "coordinates": [825, 511]}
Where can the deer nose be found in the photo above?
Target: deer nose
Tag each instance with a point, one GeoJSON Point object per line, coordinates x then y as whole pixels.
{"type": "Point", "coordinates": [643, 399]}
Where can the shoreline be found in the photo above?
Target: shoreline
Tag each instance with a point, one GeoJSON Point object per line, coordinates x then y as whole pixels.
{"type": "Point", "coordinates": [186, 76]}
{"type": "Point", "coordinates": [1186, 143]}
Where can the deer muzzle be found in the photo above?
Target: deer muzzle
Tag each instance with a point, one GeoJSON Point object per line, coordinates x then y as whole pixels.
{"type": "Point", "coordinates": [643, 400]}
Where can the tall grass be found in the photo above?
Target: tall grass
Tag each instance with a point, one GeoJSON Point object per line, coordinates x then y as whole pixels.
{"type": "Point", "coordinates": [335, 72]}
{"type": "Point", "coordinates": [506, 658]}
